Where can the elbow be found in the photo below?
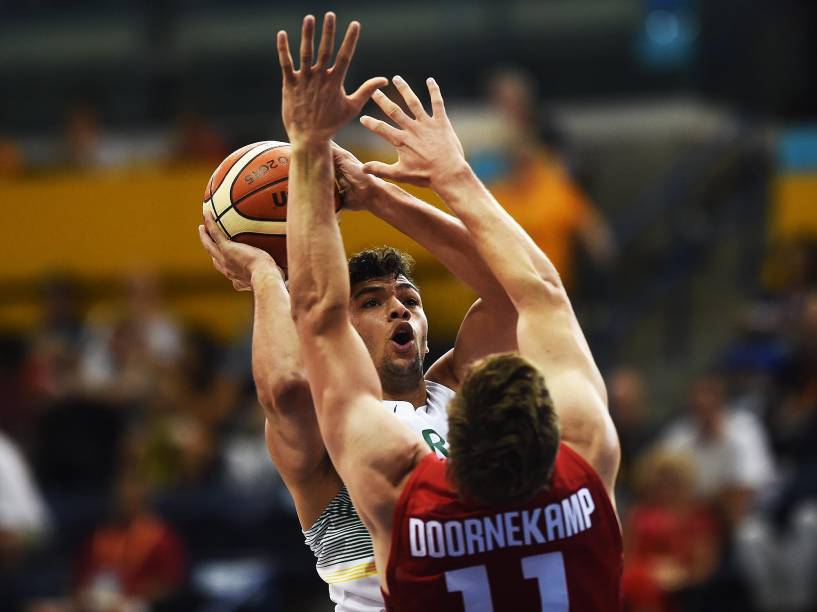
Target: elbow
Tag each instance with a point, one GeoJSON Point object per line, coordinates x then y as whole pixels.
{"type": "Point", "coordinates": [537, 292]}
{"type": "Point", "coordinates": [315, 315]}
{"type": "Point", "coordinates": [287, 393]}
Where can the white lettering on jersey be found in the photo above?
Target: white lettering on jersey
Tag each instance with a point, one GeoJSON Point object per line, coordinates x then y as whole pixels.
{"type": "Point", "coordinates": [455, 538]}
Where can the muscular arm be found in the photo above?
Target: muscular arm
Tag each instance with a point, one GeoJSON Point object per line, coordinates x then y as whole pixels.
{"type": "Point", "coordinates": [291, 429]}
{"type": "Point", "coordinates": [547, 330]}
{"type": "Point", "coordinates": [371, 450]}
{"type": "Point", "coordinates": [489, 327]}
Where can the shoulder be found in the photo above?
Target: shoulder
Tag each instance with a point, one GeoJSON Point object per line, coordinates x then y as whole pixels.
{"type": "Point", "coordinates": [441, 372]}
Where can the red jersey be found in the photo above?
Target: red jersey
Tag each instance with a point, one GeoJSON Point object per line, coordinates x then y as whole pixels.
{"type": "Point", "coordinates": [559, 552]}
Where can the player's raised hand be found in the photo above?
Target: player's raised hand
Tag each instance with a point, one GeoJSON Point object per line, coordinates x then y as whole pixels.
{"type": "Point", "coordinates": [238, 262]}
{"type": "Point", "coordinates": [428, 149]}
{"type": "Point", "coordinates": [314, 102]}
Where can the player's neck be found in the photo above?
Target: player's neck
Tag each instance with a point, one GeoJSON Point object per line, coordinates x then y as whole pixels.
{"type": "Point", "coordinates": [416, 396]}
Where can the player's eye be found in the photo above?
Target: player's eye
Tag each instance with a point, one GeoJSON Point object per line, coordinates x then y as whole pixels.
{"type": "Point", "coordinates": [370, 303]}
{"type": "Point", "coordinates": [412, 303]}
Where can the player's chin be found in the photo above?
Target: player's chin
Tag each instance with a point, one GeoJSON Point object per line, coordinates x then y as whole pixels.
{"type": "Point", "coordinates": [403, 357]}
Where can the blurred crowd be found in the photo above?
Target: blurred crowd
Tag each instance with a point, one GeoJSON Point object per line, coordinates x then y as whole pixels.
{"type": "Point", "coordinates": [719, 503]}
{"type": "Point", "coordinates": [133, 467]}
{"type": "Point", "coordinates": [131, 452]}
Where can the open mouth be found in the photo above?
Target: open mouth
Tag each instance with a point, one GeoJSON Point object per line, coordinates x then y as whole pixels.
{"type": "Point", "coordinates": [403, 336]}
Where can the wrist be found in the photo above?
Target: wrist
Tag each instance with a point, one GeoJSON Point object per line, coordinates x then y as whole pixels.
{"type": "Point", "coordinates": [308, 141]}
{"type": "Point", "coordinates": [265, 273]}
{"type": "Point", "coordinates": [379, 198]}
{"type": "Point", "coordinates": [452, 178]}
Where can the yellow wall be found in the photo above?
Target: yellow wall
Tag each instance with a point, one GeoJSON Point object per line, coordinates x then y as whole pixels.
{"type": "Point", "coordinates": [102, 226]}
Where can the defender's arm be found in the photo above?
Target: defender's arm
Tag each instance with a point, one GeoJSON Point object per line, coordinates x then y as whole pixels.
{"type": "Point", "coordinates": [547, 330]}
{"type": "Point", "coordinates": [371, 450]}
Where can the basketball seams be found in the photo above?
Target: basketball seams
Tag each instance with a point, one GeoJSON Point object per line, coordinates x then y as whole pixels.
{"type": "Point", "coordinates": [221, 196]}
{"type": "Point", "coordinates": [218, 220]}
{"type": "Point", "coordinates": [244, 216]}
{"type": "Point", "coordinates": [252, 193]}
{"type": "Point", "coordinates": [235, 223]}
{"type": "Point", "coordinates": [231, 160]}
{"type": "Point", "coordinates": [261, 234]}
{"type": "Point", "coordinates": [241, 171]}
{"type": "Point", "coordinates": [209, 193]}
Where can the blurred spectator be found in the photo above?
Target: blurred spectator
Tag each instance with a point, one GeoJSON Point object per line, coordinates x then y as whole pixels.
{"type": "Point", "coordinates": [628, 407]}
{"type": "Point", "coordinates": [246, 458]}
{"type": "Point", "coordinates": [82, 146]}
{"type": "Point", "coordinates": [794, 418]}
{"type": "Point", "coordinates": [24, 520]}
{"type": "Point", "coordinates": [173, 449]}
{"type": "Point", "coordinates": [17, 411]}
{"type": "Point", "coordinates": [780, 565]}
{"type": "Point", "coordinates": [53, 362]}
{"type": "Point", "coordinates": [175, 440]}
{"type": "Point", "coordinates": [730, 448]}
{"type": "Point", "coordinates": [197, 141]}
{"type": "Point", "coordinates": [672, 540]}
{"type": "Point", "coordinates": [755, 355]}
{"type": "Point", "coordinates": [124, 355]}
{"type": "Point", "coordinates": [85, 146]}
{"type": "Point", "coordinates": [133, 560]}
{"type": "Point", "coordinates": [537, 188]}
{"type": "Point", "coordinates": [23, 515]}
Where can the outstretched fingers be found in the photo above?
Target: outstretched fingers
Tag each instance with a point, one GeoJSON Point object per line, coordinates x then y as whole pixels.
{"type": "Point", "coordinates": [284, 56]}
{"type": "Point", "coordinates": [307, 42]}
{"type": "Point", "coordinates": [392, 110]}
{"type": "Point", "coordinates": [437, 104]}
{"type": "Point", "coordinates": [412, 101]}
{"type": "Point", "coordinates": [346, 51]}
{"type": "Point", "coordinates": [327, 43]}
{"type": "Point", "coordinates": [367, 90]}
{"type": "Point", "coordinates": [391, 134]}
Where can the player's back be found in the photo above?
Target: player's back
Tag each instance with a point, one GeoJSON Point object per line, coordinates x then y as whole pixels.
{"type": "Point", "coordinates": [560, 551]}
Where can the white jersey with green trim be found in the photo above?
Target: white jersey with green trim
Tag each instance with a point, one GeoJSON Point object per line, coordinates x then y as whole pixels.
{"type": "Point", "coordinates": [342, 546]}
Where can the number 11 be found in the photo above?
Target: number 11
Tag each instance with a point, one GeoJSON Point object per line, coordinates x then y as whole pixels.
{"type": "Point", "coordinates": [547, 569]}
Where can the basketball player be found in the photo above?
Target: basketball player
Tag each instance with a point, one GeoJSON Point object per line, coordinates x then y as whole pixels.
{"type": "Point", "coordinates": [521, 514]}
{"type": "Point", "coordinates": [386, 310]}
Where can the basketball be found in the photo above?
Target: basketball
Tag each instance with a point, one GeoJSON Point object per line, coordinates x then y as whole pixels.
{"type": "Point", "coordinates": [248, 195]}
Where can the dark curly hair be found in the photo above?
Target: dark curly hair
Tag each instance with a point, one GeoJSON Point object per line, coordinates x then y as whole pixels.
{"type": "Point", "coordinates": [378, 263]}
{"type": "Point", "coordinates": [503, 433]}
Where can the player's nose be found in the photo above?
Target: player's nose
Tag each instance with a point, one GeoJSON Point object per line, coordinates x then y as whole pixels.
{"type": "Point", "coordinates": [399, 311]}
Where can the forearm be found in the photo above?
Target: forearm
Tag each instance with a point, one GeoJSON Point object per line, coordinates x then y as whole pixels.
{"type": "Point", "coordinates": [443, 235]}
{"type": "Point", "coordinates": [317, 261]}
{"type": "Point", "coordinates": [276, 359]}
{"type": "Point", "coordinates": [515, 261]}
